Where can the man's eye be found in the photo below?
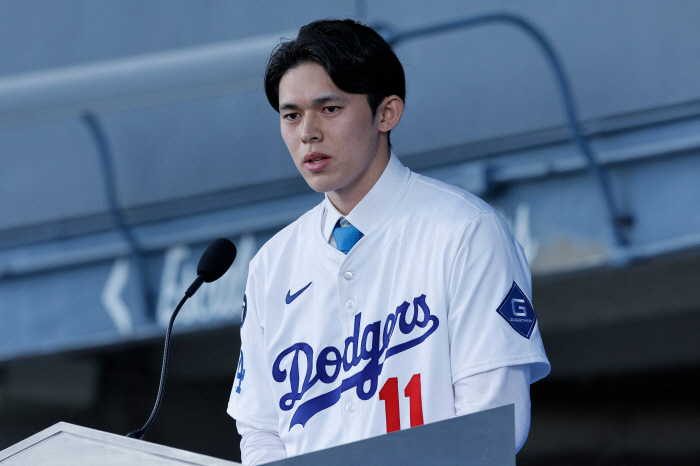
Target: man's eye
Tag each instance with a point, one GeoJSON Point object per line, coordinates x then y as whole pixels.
{"type": "Point", "coordinates": [331, 109]}
{"type": "Point", "coordinates": [291, 116]}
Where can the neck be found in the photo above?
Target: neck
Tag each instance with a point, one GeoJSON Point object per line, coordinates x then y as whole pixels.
{"type": "Point", "coordinates": [346, 198]}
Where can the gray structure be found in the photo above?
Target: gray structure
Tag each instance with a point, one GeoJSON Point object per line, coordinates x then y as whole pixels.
{"type": "Point", "coordinates": [133, 133]}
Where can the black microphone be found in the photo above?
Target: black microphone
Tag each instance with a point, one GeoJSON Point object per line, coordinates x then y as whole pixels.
{"type": "Point", "coordinates": [215, 261]}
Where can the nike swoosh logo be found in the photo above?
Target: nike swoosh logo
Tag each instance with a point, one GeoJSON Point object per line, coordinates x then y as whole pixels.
{"type": "Point", "coordinates": [291, 298]}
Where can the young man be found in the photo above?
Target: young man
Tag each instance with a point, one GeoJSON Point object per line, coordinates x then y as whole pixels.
{"type": "Point", "coordinates": [399, 300]}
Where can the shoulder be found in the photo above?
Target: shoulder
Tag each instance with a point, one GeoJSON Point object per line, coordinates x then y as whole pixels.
{"type": "Point", "coordinates": [452, 217]}
{"type": "Point", "coordinates": [286, 238]}
{"type": "Point", "coordinates": [436, 201]}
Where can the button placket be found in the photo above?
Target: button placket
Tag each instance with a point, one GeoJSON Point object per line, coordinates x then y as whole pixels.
{"type": "Point", "coordinates": [348, 287]}
{"type": "Point", "coordinates": [350, 290]}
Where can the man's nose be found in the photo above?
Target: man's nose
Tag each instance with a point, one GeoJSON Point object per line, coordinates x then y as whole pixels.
{"type": "Point", "coordinates": [311, 130]}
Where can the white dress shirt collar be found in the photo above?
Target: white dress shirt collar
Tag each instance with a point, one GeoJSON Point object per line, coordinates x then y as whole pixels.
{"type": "Point", "coordinates": [376, 203]}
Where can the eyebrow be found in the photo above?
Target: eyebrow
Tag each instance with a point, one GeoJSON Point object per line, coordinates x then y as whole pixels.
{"type": "Point", "coordinates": [316, 102]}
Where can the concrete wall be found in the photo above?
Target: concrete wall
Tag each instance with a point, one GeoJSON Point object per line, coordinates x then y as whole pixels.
{"type": "Point", "coordinates": [467, 86]}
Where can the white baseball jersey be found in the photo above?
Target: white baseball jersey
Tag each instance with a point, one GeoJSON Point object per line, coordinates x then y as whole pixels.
{"type": "Point", "coordinates": [338, 348]}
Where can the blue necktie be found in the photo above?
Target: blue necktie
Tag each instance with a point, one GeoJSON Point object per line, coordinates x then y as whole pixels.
{"type": "Point", "coordinates": [346, 236]}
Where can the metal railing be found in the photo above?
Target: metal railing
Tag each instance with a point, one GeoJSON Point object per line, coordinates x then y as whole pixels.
{"type": "Point", "coordinates": [83, 91]}
{"type": "Point", "coordinates": [618, 219]}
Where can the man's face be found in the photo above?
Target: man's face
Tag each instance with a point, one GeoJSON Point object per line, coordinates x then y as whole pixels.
{"type": "Point", "coordinates": [331, 134]}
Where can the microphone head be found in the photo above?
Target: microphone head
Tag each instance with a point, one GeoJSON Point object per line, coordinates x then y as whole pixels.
{"type": "Point", "coordinates": [216, 260]}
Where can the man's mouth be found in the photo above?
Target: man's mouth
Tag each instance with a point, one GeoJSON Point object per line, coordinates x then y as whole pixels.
{"type": "Point", "coordinates": [315, 161]}
{"type": "Point", "coordinates": [314, 157]}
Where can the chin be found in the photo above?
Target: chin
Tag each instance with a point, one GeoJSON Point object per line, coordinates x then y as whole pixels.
{"type": "Point", "coordinates": [318, 185]}
{"type": "Point", "coordinates": [321, 185]}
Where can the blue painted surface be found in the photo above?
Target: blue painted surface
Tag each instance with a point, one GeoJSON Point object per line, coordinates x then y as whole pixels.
{"type": "Point", "coordinates": [67, 308]}
{"type": "Point", "coordinates": [490, 83]}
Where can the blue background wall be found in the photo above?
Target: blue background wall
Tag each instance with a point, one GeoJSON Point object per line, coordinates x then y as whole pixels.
{"type": "Point", "coordinates": [483, 112]}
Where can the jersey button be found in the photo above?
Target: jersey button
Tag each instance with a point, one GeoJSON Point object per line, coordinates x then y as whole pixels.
{"type": "Point", "coordinates": [350, 304]}
{"type": "Point", "coordinates": [350, 406]}
{"type": "Point", "coordinates": [348, 276]}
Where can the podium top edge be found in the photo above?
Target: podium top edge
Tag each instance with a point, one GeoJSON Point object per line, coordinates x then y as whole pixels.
{"type": "Point", "coordinates": [115, 440]}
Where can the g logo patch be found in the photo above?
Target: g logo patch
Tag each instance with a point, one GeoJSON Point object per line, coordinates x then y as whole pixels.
{"type": "Point", "coordinates": [519, 314]}
{"type": "Point", "coordinates": [245, 309]}
{"type": "Point", "coordinates": [519, 309]}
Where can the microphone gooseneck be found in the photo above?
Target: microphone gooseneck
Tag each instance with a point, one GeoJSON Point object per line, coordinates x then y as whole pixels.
{"type": "Point", "coordinates": [138, 434]}
{"type": "Point", "coordinates": [215, 261]}
{"type": "Point", "coordinates": [194, 286]}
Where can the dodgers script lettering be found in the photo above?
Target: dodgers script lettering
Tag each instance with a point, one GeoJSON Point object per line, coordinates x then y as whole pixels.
{"type": "Point", "coordinates": [372, 347]}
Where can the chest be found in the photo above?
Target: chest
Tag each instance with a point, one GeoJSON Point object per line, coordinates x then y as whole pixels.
{"type": "Point", "coordinates": [313, 299]}
{"type": "Point", "coordinates": [336, 331]}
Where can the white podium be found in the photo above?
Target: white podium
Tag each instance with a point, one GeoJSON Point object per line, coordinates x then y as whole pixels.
{"type": "Point", "coordinates": [66, 444]}
{"type": "Point", "coordinates": [480, 439]}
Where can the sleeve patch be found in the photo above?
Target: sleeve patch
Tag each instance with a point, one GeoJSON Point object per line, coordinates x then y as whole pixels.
{"type": "Point", "coordinates": [240, 373]}
{"type": "Point", "coordinates": [518, 311]}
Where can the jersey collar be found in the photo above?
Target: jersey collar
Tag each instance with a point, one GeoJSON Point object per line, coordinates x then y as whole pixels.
{"type": "Point", "coordinates": [375, 205]}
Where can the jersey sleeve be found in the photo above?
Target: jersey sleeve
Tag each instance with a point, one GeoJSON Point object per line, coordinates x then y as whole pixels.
{"type": "Point", "coordinates": [251, 400]}
{"type": "Point", "coordinates": [499, 387]}
{"type": "Point", "coordinates": [491, 320]}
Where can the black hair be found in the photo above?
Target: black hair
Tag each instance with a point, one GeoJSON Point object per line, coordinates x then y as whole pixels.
{"type": "Point", "coordinates": [357, 59]}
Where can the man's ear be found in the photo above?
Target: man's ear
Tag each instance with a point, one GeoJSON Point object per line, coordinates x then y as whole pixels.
{"type": "Point", "coordinates": [389, 112]}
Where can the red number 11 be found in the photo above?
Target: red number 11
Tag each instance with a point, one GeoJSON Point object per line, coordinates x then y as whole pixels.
{"type": "Point", "coordinates": [390, 395]}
